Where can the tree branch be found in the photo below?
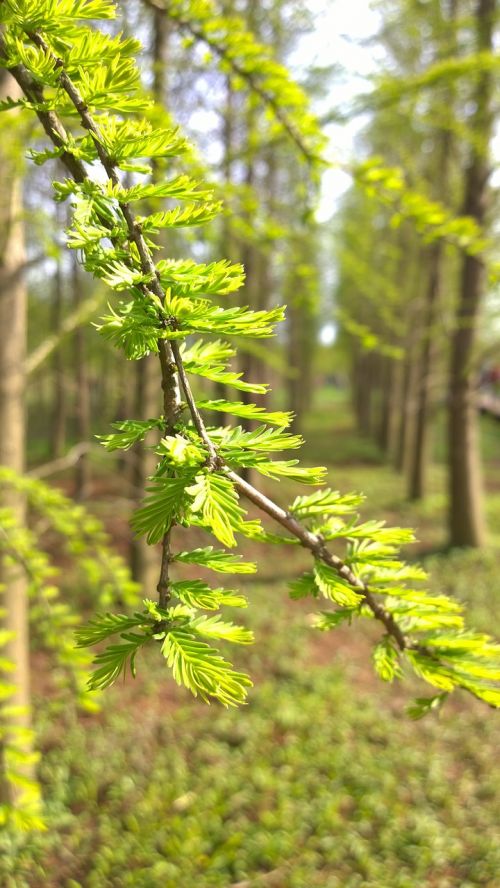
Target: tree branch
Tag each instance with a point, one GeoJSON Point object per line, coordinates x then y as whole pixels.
{"type": "Point", "coordinates": [248, 76]}
{"type": "Point", "coordinates": [49, 345]}
{"type": "Point", "coordinates": [169, 354]}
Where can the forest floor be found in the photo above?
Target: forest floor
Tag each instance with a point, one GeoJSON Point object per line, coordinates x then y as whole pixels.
{"type": "Point", "coordinates": [322, 781]}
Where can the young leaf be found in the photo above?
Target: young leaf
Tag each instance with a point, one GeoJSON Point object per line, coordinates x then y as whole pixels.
{"type": "Point", "coordinates": [334, 587]}
{"type": "Point", "coordinates": [247, 411]}
{"type": "Point", "coordinates": [194, 593]}
{"type": "Point", "coordinates": [130, 431]}
{"type": "Point", "coordinates": [215, 627]}
{"type": "Point", "coordinates": [215, 498]}
{"type": "Point", "coordinates": [217, 560]}
{"type": "Point", "coordinates": [303, 586]}
{"type": "Point", "coordinates": [386, 659]}
{"type": "Point", "coordinates": [325, 502]}
{"type": "Point", "coordinates": [166, 502]}
{"type": "Point", "coordinates": [102, 626]}
{"type": "Point", "coordinates": [114, 660]}
{"type": "Point", "coordinates": [202, 670]}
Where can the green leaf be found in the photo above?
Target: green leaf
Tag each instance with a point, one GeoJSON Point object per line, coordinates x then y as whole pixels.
{"type": "Point", "coordinates": [386, 659]}
{"type": "Point", "coordinates": [303, 586]}
{"type": "Point", "coordinates": [54, 15]}
{"type": "Point", "coordinates": [216, 627]}
{"type": "Point", "coordinates": [209, 318]}
{"type": "Point", "coordinates": [179, 451]}
{"type": "Point", "coordinates": [489, 695]}
{"type": "Point", "coordinates": [334, 587]}
{"type": "Point", "coordinates": [179, 217]}
{"type": "Point", "coordinates": [126, 140]}
{"type": "Point", "coordinates": [261, 438]}
{"type": "Point", "coordinates": [186, 277]}
{"type": "Point", "coordinates": [216, 559]}
{"type": "Point", "coordinates": [247, 411]}
{"type": "Point", "coordinates": [215, 498]}
{"type": "Point", "coordinates": [291, 469]}
{"type": "Point", "coordinates": [431, 670]}
{"type": "Point", "coordinates": [423, 705]}
{"type": "Point", "coordinates": [130, 431]}
{"type": "Point", "coordinates": [217, 373]}
{"type": "Point", "coordinates": [202, 670]}
{"type": "Point", "coordinates": [135, 328]}
{"type": "Point", "coordinates": [114, 660]}
{"type": "Point", "coordinates": [195, 593]}
{"type": "Point", "coordinates": [325, 502]}
{"type": "Point", "coordinates": [166, 502]}
{"type": "Point", "coordinates": [331, 619]}
{"type": "Point", "coordinates": [201, 353]}
{"type": "Point", "coordinates": [102, 626]}
{"type": "Point", "coordinates": [181, 187]}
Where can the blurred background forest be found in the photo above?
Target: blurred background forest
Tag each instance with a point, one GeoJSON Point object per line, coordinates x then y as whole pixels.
{"type": "Point", "coordinates": [387, 260]}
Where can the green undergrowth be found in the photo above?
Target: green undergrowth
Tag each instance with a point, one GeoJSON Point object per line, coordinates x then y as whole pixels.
{"type": "Point", "coordinates": [315, 781]}
{"type": "Point", "coordinates": [321, 780]}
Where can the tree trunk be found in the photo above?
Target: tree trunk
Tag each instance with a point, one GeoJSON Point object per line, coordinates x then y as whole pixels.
{"type": "Point", "coordinates": [301, 329]}
{"type": "Point", "coordinates": [58, 430]}
{"type": "Point", "coordinates": [83, 430]}
{"type": "Point", "coordinates": [365, 387]}
{"type": "Point", "coordinates": [387, 418]}
{"type": "Point", "coordinates": [466, 516]}
{"type": "Point", "coordinates": [428, 355]}
{"type": "Point", "coordinates": [419, 455]}
{"type": "Point", "coordinates": [406, 437]}
{"type": "Point", "coordinates": [12, 442]}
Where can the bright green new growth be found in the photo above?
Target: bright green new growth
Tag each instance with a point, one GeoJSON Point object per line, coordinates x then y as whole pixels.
{"type": "Point", "coordinates": [99, 571]}
{"type": "Point", "coordinates": [250, 65]}
{"type": "Point", "coordinates": [52, 54]}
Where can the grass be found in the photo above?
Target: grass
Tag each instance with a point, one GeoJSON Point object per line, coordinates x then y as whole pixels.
{"type": "Point", "coordinates": [321, 780]}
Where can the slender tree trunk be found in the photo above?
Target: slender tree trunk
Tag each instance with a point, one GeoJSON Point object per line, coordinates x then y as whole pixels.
{"type": "Point", "coordinates": [419, 455]}
{"type": "Point", "coordinates": [12, 438]}
{"type": "Point", "coordinates": [428, 355]}
{"type": "Point", "coordinates": [104, 400]}
{"type": "Point", "coordinates": [384, 406]}
{"type": "Point", "coordinates": [404, 382]}
{"type": "Point", "coordinates": [357, 385]}
{"type": "Point", "coordinates": [466, 517]}
{"type": "Point", "coordinates": [58, 430]}
{"type": "Point", "coordinates": [387, 404]}
{"type": "Point", "coordinates": [365, 383]}
{"type": "Point", "coordinates": [82, 475]}
{"type": "Point", "coordinates": [301, 330]}
{"type": "Point", "coordinates": [406, 433]}
{"type": "Point", "coordinates": [410, 273]}
{"type": "Point", "coordinates": [295, 402]}
{"type": "Point", "coordinates": [396, 407]}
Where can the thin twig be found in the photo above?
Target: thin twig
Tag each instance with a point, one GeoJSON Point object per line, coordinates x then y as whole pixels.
{"type": "Point", "coordinates": [64, 462]}
{"type": "Point", "coordinates": [70, 323]}
{"type": "Point", "coordinates": [215, 460]}
{"type": "Point", "coordinates": [317, 547]}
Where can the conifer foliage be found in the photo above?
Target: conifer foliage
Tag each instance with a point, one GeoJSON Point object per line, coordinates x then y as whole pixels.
{"type": "Point", "coordinates": [85, 89]}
